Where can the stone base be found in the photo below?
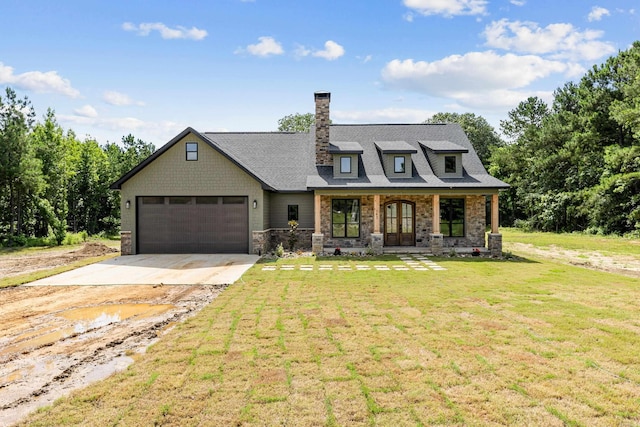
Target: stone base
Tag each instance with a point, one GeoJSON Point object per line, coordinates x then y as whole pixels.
{"type": "Point", "coordinates": [494, 244]}
{"type": "Point", "coordinates": [377, 242]}
{"type": "Point", "coordinates": [260, 242]}
{"type": "Point", "coordinates": [437, 243]}
{"type": "Point", "coordinates": [317, 243]}
{"type": "Point", "coordinates": [125, 243]}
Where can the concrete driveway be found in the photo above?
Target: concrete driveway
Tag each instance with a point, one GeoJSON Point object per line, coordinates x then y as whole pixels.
{"type": "Point", "coordinates": [189, 269]}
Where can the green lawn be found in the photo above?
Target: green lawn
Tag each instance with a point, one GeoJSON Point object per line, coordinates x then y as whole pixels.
{"type": "Point", "coordinates": [574, 241]}
{"type": "Point", "coordinates": [485, 342]}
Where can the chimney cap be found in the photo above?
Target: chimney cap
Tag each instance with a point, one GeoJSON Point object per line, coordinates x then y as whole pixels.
{"type": "Point", "coordinates": [322, 94]}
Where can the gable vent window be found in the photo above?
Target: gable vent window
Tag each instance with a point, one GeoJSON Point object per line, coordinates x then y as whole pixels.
{"type": "Point", "coordinates": [345, 164]}
{"type": "Point", "coordinates": [398, 164]}
{"type": "Point", "coordinates": [450, 164]}
{"type": "Point", "coordinates": [192, 151]}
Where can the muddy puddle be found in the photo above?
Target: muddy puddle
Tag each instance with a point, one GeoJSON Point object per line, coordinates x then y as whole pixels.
{"type": "Point", "coordinates": [53, 341]}
{"type": "Point", "coordinates": [83, 320]}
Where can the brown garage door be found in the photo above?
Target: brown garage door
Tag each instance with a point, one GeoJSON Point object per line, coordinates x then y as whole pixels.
{"type": "Point", "coordinates": [188, 224]}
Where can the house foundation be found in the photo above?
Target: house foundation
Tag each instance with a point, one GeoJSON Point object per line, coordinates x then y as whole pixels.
{"type": "Point", "coordinates": [494, 243]}
{"type": "Point", "coordinates": [317, 243]}
{"type": "Point", "coordinates": [125, 243]}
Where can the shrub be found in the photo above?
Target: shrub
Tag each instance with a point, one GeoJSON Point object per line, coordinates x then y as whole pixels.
{"type": "Point", "coordinates": [279, 250]}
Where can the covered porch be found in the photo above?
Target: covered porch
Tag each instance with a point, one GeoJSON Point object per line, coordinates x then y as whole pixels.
{"type": "Point", "coordinates": [404, 222]}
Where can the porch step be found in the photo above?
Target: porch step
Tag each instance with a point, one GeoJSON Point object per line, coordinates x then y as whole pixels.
{"type": "Point", "coordinates": [396, 250]}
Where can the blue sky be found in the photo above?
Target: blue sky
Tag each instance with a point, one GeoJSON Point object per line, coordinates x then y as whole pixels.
{"type": "Point", "coordinates": [152, 68]}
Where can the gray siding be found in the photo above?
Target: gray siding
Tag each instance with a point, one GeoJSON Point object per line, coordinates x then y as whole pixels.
{"type": "Point", "coordinates": [336, 166]}
{"type": "Point", "coordinates": [266, 209]}
{"type": "Point", "coordinates": [437, 164]}
{"type": "Point", "coordinates": [278, 209]}
{"type": "Point", "coordinates": [388, 162]}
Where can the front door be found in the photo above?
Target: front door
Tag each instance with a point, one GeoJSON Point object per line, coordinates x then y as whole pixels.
{"type": "Point", "coordinates": [399, 220]}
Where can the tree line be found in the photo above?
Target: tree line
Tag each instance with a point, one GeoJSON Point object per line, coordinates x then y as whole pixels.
{"type": "Point", "coordinates": [573, 165]}
{"type": "Point", "coordinates": [51, 182]}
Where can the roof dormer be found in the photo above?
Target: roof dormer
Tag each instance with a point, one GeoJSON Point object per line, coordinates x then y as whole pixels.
{"type": "Point", "coordinates": [445, 158]}
{"type": "Point", "coordinates": [345, 158]}
{"type": "Point", "coordinates": [396, 158]}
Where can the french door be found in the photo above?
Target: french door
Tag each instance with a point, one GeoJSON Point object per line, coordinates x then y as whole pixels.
{"type": "Point", "coordinates": [399, 223]}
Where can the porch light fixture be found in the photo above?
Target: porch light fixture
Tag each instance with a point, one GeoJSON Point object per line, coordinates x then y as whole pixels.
{"type": "Point", "coordinates": [255, 204]}
{"type": "Point", "coordinates": [127, 204]}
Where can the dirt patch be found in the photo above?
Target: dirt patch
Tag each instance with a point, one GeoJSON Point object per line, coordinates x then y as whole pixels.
{"type": "Point", "coordinates": [14, 265]}
{"type": "Point", "coordinates": [621, 264]}
{"type": "Point", "coordinates": [57, 339]}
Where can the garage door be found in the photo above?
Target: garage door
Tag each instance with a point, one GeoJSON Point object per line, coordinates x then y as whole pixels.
{"type": "Point", "coordinates": [193, 225]}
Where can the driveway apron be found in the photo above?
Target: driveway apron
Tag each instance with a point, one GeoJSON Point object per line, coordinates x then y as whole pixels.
{"type": "Point", "coordinates": [184, 269]}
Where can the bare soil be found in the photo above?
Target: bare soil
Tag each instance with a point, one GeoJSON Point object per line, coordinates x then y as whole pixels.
{"type": "Point", "coordinates": [626, 265]}
{"type": "Point", "coordinates": [57, 339]}
{"type": "Point", "coordinates": [14, 265]}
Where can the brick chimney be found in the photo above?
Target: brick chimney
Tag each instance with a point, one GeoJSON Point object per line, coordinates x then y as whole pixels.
{"type": "Point", "coordinates": [323, 158]}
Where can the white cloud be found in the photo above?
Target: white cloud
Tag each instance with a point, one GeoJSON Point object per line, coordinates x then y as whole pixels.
{"type": "Point", "coordinates": [86, 111]}
{"type": "Point", "coordinates": [266, 46]}
{"type": "Point", "coordinates": [38, 81]}
{"type": "Point", "coordinates": [447, 7]}
{"type": "Point", "coordinates": [119, 99]}
{"type": "Point", "coordinates": [301, 51]}
{"type": "Point", "coordinates": [597, 13]}
{"type": "Point", "coordinates": [148, 131]}
{"type": "Point", "coordinates": [558, 40]}
{"type": "Point", "coordinates": [518, 2]}
{"type": "Point", "coordinates": [180, 32]}
{"type": "Point", "coordinates": [332, 51]}
{"type": "Point", "coordinates": [385, 115]}
{"type": "Point", "coordinates": [476, 78]}
{"type": "Point", "coordinates": [408, 17]}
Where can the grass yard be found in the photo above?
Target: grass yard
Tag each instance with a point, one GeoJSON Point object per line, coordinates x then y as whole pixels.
{"type": "Point", "coordinates": [483, 343]}
{"type": "Point", "coordinates": [574, 241]}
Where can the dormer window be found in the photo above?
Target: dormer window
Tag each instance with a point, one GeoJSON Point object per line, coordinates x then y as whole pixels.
{"type": "Point", "coordinates": [398, 164]}
{"type": "Point", "coordinates": [345, 164]}
{"type": "Point", "coordinates": [450, 164]}
{"type": "Point", "coordinates": [345, 158]}
{"type": "Point", "coordinates": [445, 158]}
{"type": "Point", "coordinates": [396, 158]}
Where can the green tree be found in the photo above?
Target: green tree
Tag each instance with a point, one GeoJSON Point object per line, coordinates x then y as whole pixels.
{"type": "Point", "coordinates": [50, 149]}
{"type": "Point", "coordinates": [525, 118]}
{"type": "Point", "coordinates": [296, 122]}
{"type": "Point", "coordinates": [626, 110]}
{"type": "Point", "coordinates": [20, 170]}
{"type": "Point", "coordinates": [482, 135]}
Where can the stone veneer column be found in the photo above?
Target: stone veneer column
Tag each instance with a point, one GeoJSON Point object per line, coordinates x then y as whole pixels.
{"type": "Point", "coordinates": [377, 242]}
{"type": "Point", "coordinates": [317, 243]}
{"type": "Point", "coordinates": [125, 243]}
{"type": "Point", "coordinates": [437, 243]}
{"type": "Point", "coordinates": [260, 242]}
{"type": "Point", "coordinates": [495, 244]}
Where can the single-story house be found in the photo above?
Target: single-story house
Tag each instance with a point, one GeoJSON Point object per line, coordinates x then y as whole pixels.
{"type": "Point", "coordinates": [373, 186]}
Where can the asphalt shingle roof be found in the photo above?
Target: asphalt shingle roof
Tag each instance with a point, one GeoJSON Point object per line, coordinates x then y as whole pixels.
{"type": "Point", "coordinates": [285, 161]}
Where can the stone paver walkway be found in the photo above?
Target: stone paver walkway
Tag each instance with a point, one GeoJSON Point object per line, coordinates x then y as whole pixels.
{"type": "Point", "coordinates": [412, 262]}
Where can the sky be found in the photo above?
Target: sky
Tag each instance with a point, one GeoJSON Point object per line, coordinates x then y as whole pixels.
{"type": "Point", "coordinates": [151, 68]}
